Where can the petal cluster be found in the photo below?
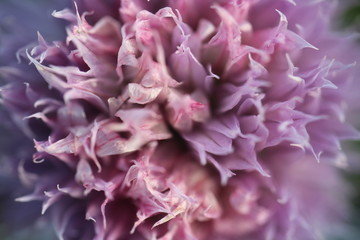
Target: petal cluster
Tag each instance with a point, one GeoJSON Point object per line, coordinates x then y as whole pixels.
{"type": "Point", "coordinates": [184, 119]}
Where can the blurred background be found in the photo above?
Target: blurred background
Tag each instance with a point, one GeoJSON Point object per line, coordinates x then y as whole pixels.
{"type": "Point", "coordinates": [349, 20]}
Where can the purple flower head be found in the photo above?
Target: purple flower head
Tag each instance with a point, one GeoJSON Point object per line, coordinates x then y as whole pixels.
{"type": "Point", "coordinates": [184, 119]}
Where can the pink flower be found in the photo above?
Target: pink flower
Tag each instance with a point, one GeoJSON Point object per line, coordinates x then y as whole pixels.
{"type": "Point", "coordinates": [188, 120]}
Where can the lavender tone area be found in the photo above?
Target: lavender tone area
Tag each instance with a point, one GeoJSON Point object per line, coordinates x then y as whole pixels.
{"type": "Point", "coordinates": [175, 119]}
